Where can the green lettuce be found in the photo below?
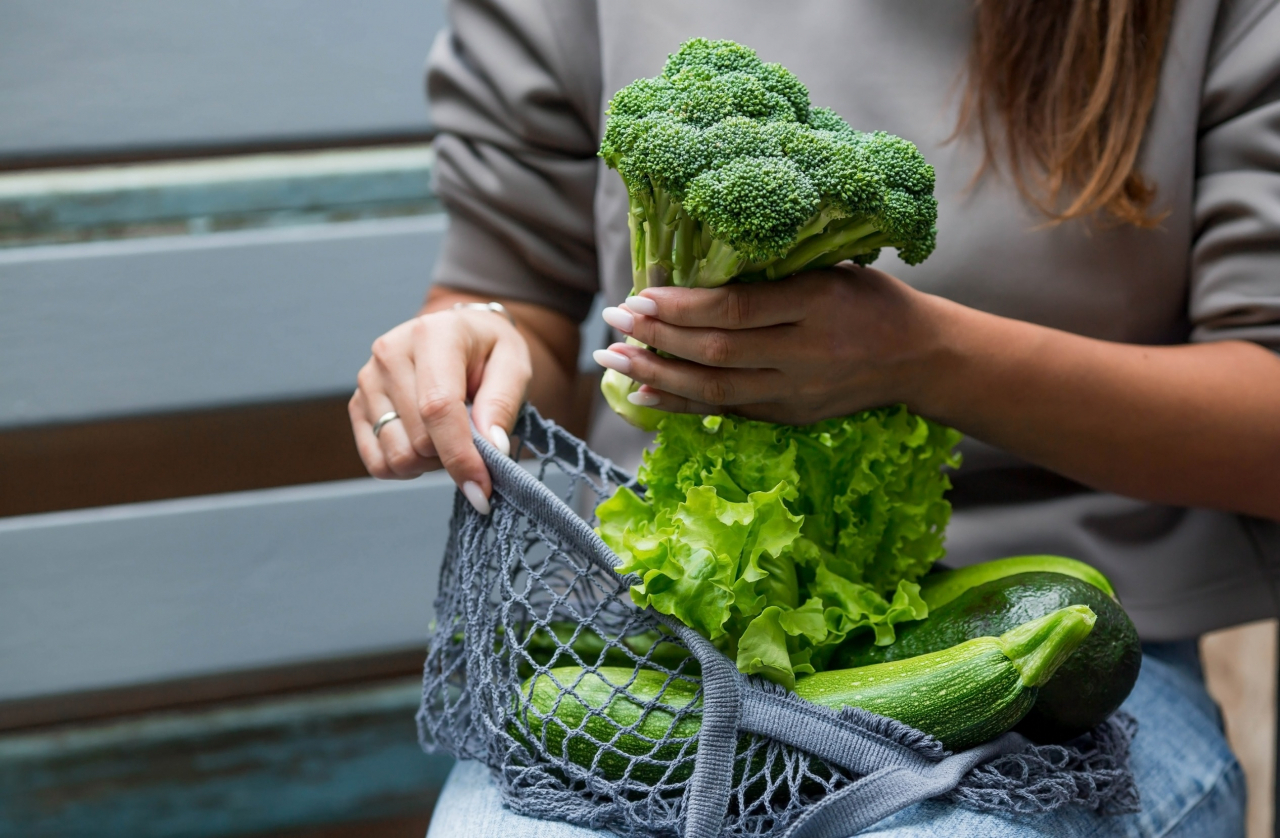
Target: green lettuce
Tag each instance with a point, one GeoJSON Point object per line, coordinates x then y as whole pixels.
{"type": "Point", "coordinates": [778, 542]}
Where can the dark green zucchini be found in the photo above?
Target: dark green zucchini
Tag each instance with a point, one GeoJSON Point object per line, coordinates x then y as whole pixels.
{"type": "Point", "coordinates": [1086, 689]}
{"type": "Point", "coordinates": [963, 695]}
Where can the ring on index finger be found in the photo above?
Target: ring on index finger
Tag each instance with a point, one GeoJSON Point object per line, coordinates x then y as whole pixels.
{"type": "Point", "coordinates": [384, 420]}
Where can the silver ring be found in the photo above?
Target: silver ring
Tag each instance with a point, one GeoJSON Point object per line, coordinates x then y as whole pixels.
{"type": "Point", "coordinates": [389, 416]}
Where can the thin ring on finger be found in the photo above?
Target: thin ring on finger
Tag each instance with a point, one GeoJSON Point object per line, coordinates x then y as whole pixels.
{"type": "Point", "coordinates": [389, 416]}
{"type": "Point", "coordinates": [402, 459]}
{"type": "Point", "coordinates": [366, 443]}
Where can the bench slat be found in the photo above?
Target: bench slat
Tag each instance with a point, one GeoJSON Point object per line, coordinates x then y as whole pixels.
{"type": "Point", "coordinates": [113, 328]}
{"type": "Point", "coordinates": [278, 764]}
{"type": "Point", "coordinates": [146, 592]}
{"type": "Point", "coordinates": [95, 76]}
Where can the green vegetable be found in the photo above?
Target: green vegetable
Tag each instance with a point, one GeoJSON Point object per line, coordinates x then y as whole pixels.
{"type": "Point", "coordinates": [778, 542]}
{"type": "Point", "coordinates": [775, 542]}
{"type": "Point", "coordinates": [937, 589]}
{"type": "Point", "coordinates": [964, 695]}
{"type": "Point", "coordinates": [1087, 689]}
{"type": "Point", "coordinates": [732, 174]}
{"type": "Point", "coordinates": [547, 647]}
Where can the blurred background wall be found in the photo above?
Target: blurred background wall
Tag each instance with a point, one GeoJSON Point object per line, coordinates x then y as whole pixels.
{"type": "Point", "coordinates": [211, 622]}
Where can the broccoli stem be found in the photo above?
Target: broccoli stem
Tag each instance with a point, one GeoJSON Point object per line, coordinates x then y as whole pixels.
{"type": "Point", "coordinates": [837, 237]}
{"type": "Point", "coordinates": [851, 250]}
{"type": "Point", "coordinates": [686, 246]}
{"type": "Point", "coordinates": [668, 247]}
{"type": "Point", "coordinates": [636, 224]}
{"type": "Point", "coordinates": [721, 264]}
{"type": "Point", "coordinates": [660, 231]}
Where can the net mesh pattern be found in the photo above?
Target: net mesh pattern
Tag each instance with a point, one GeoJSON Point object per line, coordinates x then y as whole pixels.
{"type": "Point", "coordinates": [590, 710]}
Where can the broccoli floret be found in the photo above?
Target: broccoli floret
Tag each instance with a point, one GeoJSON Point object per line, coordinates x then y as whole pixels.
{"type": "Point", "coordinates": [732, 174]}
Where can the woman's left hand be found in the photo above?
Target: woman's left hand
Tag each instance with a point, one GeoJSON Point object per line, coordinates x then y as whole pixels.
{"type": "Point", "coordinates": [821, 344]}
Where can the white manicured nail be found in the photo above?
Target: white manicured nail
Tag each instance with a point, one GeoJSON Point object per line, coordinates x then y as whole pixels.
{"type": "Point", "coordinates": [642, 305]}
{"type": "Point", "coordinates": [500, 440]}
{"type": "Point", "coordinates": [473, 493]}
{"type": "Point", "coordinates": [642, 399]}
{"type": "Point", "coordinates": [619, 318]}
{"type": "Point", "coordinates": [609, 359]}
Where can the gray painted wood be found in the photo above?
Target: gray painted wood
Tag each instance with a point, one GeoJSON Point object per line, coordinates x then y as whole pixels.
{"type": "Point", "coordinates": [278, 764]}
{"type": "Point", "coordinates": [134, 326]}
{"type": "Point", "coordinates": [146, 592]}
{"type": "Point", "coordinates": [89, 76]}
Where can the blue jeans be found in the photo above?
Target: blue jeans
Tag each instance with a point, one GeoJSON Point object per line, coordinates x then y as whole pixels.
{"type": "Point", "coordinates": [1190, 782]}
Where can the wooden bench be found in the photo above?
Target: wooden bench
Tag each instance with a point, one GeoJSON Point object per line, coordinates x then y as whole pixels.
{"type": "Point", "coordinates": [189, 280]}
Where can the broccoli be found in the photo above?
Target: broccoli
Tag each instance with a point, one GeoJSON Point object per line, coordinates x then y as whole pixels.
{"type": "Point", "coordinates": [731, 174]}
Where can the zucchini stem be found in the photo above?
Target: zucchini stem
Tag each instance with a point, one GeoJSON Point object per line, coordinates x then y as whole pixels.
{"type": "Point", "coordinates": [1039, 647]}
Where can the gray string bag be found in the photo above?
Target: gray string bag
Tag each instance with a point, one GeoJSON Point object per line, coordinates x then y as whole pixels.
{"type": "Point", "coordinates": [530, 589]}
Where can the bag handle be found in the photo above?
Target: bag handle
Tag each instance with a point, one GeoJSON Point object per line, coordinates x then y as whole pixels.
{"type": "Point", "coordinates": [878, 795]}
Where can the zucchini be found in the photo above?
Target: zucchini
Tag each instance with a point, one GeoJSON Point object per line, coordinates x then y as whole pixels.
{"type": "Point", "coordinates": [550, 646]}
{"type": "Point", "coordinates": [963, 695]}
{"type": "Point", "coordinates": [547, 647]}
{"type": "Point", "coordinates": [1086, 689]}
{"type": "Point", "coordinates": [937, 589]}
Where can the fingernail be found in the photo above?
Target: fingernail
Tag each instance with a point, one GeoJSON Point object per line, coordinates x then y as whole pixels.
{"type": "Point", "coordinates": [472, 492]}
{"type": "Point", "coordinates": [642, 305]}
{"type": "Point", "coordinates": [619, 318]}
{"type": "Point", "coordinates": [611, 360]}
{"type": "Point", "coordinates": [642, 399]}
{"type": "Point", "coordinates": [500, 440]}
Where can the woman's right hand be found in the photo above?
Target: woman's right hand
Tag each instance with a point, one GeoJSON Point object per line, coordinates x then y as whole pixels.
{"type": "Point", "coordinates": [426, 370]}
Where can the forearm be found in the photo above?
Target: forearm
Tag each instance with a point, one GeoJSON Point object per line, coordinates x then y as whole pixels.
{"type": "Point", "coordinates": [553, 349]}
{"type": "Point", "coordinates": [1193, 425]}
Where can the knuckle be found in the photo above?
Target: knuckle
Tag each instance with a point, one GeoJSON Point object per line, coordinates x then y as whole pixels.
{"type": "Point", "coordinates": [716, 390]}
{"type": "Point", "coordinates": [435, 405]}
{"type": "Point", "coordinates": [737, 307]}
{"type": "Point", "coordinates": [421, 442]}
{"type": "Point", "coordinates": [504, 405]}
{"type": "Point", "coordinates": [717, 349]}
{"type": "Point", "coordinates": [380, 471]}
{"type": "Point", "coordinates": [365, 380]}
{"type": "Point", "coordinates": [382, 349]}
{"type": "Point", "coordinates": [679, 308]}
{"type": "Point", "coordinates": [401, 460]}
{"type": "Point", "coordinates": [837, 291]}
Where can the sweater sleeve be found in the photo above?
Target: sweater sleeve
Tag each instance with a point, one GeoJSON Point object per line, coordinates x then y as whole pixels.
{"type": "Point", "coordinates": [1235, 264]}
{"type": "Point", "coordinates": [514, 90]}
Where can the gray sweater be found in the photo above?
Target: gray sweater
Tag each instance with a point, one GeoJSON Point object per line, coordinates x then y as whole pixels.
{"type": "Point", "coordinates": [518, 89]}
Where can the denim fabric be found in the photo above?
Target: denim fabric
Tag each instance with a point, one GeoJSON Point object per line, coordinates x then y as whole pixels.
{"type": "Point", "coordinates": [1190, 782]}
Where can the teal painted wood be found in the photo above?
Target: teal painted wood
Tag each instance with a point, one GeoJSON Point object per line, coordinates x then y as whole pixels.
{"type": "Point", "coordinates": [349, 755]}
{"type": "Point", "coordinates": [195, 196]}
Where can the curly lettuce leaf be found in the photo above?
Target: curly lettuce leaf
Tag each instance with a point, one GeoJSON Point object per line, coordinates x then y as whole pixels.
{"type": "Point", "coordinates": [778, 542]}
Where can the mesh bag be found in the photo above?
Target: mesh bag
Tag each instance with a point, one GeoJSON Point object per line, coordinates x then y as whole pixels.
{"type": "Point", "coordinates": [589, 710]}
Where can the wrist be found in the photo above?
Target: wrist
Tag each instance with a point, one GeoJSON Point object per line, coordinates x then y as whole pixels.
{"type": "Point", "coordinates": [932, 359]}
{"type": "Point", "coordinates": [957, 346]}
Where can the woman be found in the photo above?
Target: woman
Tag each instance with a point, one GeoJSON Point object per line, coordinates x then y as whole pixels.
{"type": "Point", "coordinates": [1100, 316]}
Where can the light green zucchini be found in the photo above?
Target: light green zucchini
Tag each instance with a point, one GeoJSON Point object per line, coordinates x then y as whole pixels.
{"type": "Point", "coordinates": [964, 695]}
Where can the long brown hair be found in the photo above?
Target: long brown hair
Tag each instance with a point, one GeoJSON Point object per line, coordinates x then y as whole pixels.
{"type": "Point", "coordinates": [1061, 90]}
